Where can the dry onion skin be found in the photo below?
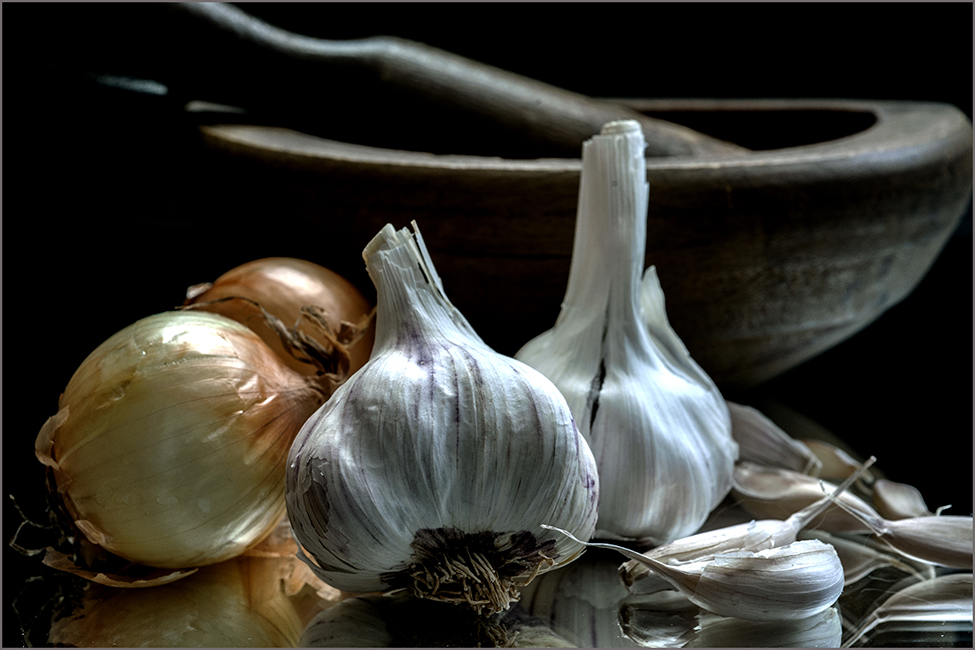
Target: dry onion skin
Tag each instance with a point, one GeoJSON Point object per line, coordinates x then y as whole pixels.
{"type": "Point", "coordinates": [169, 445]}
{"type": "Point", "coordinates": [282, 286]}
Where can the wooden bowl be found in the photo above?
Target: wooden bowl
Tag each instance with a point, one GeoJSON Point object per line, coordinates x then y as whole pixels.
{"type": "Point", "coordinates": [766, 258]}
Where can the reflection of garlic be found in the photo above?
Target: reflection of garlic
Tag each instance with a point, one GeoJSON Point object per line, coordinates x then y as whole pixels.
{"type": "Point", "coordinates": [657, 425]}
{"type": "Point", "coordinates": [398, 621]}
{"type": "Point", "coordinates": [822, 630]}
{"type": "Point", "coordinates": [433, 467]}
{"type": "Point", "coordinates": [587, 604]}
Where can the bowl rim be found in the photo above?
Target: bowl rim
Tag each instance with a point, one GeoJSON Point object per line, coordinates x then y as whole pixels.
{"type": "Point", "coordinates": [898, 125]}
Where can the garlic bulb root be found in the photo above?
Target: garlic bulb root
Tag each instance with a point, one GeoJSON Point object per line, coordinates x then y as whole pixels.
{"type": "Point", "coordinates": [483, 570]}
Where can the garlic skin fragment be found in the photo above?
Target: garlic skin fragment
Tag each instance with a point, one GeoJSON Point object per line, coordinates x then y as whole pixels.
{"type": "Point", "coordinates": [657, 425]}
{"type": "Point", "coordinates": [169, 444]}
{"type": "Point", "coordinates": [433, 467]}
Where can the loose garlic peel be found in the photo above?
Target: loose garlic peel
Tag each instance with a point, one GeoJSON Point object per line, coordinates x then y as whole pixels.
{"type": "Point", "coordinates": [169, 444]}
{"type": "Point", "coordinates": [432, 468]}
{"type": "Point", "coordinates": [657, 425]}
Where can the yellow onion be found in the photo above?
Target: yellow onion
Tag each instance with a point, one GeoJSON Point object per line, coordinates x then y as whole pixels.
{"type": "Point", "coordinates": [282, 286]}
{"type": "Point", "coordinates": [170, 441]}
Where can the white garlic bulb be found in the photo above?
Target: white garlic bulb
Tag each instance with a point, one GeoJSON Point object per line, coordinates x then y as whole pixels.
{"type": "Point", "coordinates": [433, 467]}
{"type": "Point", "coordinates": [657, 425]}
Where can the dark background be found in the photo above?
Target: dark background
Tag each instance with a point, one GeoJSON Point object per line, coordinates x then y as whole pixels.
{"type": "Point", "coordinates": [108, 211]}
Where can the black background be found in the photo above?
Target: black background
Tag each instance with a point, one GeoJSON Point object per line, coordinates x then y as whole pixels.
{"type": "Point", "coordinates": [105, 209]}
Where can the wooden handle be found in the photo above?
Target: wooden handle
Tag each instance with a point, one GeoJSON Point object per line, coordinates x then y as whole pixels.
{"type": "Point", "coordinates": [380, 91]}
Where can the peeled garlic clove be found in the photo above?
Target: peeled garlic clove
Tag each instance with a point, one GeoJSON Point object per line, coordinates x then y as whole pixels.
{"type": "Point", "coordinates": [169, 444]}
{"type": "Point", "coordinates": [774, 493]}
{"type": "Point", "coordinates": [657, 425]}
{"type": "Point", "coordinates": [898, 500]}
{"type": "Point", "coordinates": [761, 441]}
{"type": "Point", "coordinates": [433, 467]}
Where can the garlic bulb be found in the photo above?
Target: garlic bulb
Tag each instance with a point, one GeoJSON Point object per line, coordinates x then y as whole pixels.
{"type": "Point", "coordinates": [433, 467]}
{"type": "Point", "coordinates": [169, 445]}
{"type": "Point", "coordinates": [656, 423]}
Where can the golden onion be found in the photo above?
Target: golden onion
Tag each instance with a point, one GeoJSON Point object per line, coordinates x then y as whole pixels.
{"type": "Point", "coordinates": [282, 286]}
{"type": "Point", "coordinates": [170, 441]}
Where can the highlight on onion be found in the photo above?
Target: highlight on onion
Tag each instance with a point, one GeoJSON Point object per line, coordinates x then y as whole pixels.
{"type": "Point", "coordinates": [316, 302]}
{"type": "Point", "coordinates": [168, 449]}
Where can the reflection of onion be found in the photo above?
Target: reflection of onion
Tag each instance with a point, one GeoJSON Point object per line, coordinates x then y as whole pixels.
{"type": "Point", "coordinates": [237, 603]}
{"type": "Point", "coordinates": [282, 286]}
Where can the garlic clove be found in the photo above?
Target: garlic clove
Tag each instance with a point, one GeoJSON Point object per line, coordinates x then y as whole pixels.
{"type": "Point", "coordinates": [943, 540]}
{"type": "Point", "coordinates": [762, 442]}
{"type": "Point", "coordinates": [788, 582]}
{"type": "Point", "coordinates": [658, 427]}
{"type": "Point", "coordinates": [776, 493]}
{"type": "Point", "coordinates": [748, 536]}
{"type": "Point", "coordinates": [433, 467]}
{"type": "Point", "coordinates": [836, 463]}
{"type": "Point", "coordinates": [894, 500]}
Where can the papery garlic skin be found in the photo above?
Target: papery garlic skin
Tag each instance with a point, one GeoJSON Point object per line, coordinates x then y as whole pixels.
{"type": "Point", "coordinates": [657, 425]}
{"type": "Point", "coordinates": [437, 448]}
{"type": "Point", "coordinates": [170, 441]}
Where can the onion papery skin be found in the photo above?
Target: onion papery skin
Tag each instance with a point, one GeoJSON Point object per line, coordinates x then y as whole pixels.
{"type": "Point", "coordinates": [170, 441]}
{"type": "Point", "coordinates": [282, 286]}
